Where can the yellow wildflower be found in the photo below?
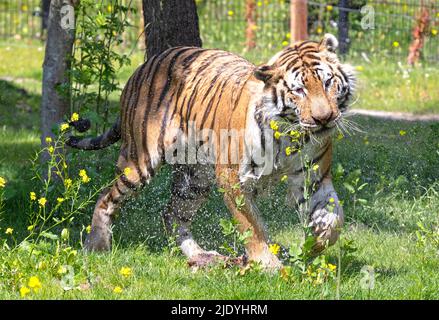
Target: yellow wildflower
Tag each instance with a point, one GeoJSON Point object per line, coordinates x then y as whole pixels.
{"type": "Point", "coordinates": [295, 133]}
{"type": "Point", "coordinates": [340, 136]}
{"type": "Point", "coordinates": [395, 44]}
{"type": "Point", "coordinates": [88, 229]}
{"type": "Point", "coordinates": [331, 200]}
{"type": "Point", "coordinates": [83, 174]}
{"type": "Point", "coordinates": [51, 149]}
{"type": "Point", "coordinates": [30, 228]}
{"type": "Point", "coordinates": [33, 196]}
{"type": "Point", "coordinates": [359, 68]}
{"type": "Point", "coordinates": [277, 135]}
{"type": "Point", "coordinates": [127, 171]}
{"type": "Point", "coordinates": [273, 125]}
{"type": "Point", "coordinates": [9, 231]}
{"type": "Point", "coordinates": [24, 291]}
{"type": "Point", "coordinates": [274, 248]}
{"type": "Point", "coordinates": [42, 202]}
{"type": "Point", "coordinates": [2, 182]}
{"type": "Point", "coordinates": [125, 271]}
{"type": "Point", "coordinates": [117, 290]}
{"type": "Point", "coordinates": [288, 151]}
{"type": "Point", "coordinates": [230, 13]}
{"type": "Point", "coordinates": [68, 183]}
{"type": "Point", "coordinates": [319, 30]}
{"type": "Point", "coordinates": [34, 283]}
{"type": "Point", "coordinates": [259, 3]}
{"type": "Point", "coordinates": [74, 117]}
{"type": "Point", "coordinates": [329, 7]}
{"type": "Point", "coordinates": [402, 132]}
{"type": "Point", "coordinates": [48, 139]}
{"type": "Point", "coordinates": [288, 35]}
{"type": "Point", "coordinates": [64, 127]}
{"type": "Point", "coordinates": [60, 200]}
{"type": "Point", "coordinates": [285, 43]}
{"type": "Point", "coordinates": [331, 267]}
{"type": "Point", "coordinates": [284, 178]}
{"type": "Point", "coordinates": [315, 167]}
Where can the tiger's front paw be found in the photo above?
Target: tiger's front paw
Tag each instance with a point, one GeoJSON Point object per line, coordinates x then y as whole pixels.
{"type": "Point", "coordinates": [326, 222]}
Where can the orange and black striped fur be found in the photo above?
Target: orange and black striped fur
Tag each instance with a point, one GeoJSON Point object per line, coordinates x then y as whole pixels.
{"type": "Point", "coordinates": [187, 89]}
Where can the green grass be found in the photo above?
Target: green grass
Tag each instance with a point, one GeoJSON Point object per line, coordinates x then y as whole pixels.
{"type": "Point", "coordinates": [401, 172]}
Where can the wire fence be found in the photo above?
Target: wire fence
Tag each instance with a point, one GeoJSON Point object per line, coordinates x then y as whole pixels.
{"type": "Point", "coordinates": [228, 24]}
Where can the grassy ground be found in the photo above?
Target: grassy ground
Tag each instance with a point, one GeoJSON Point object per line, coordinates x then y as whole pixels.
{"type": "Point", "coordinates": [398, 160]}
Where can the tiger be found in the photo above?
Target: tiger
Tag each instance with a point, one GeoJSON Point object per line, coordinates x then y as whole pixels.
{"type": "Point", "coordinates": [190, 89]}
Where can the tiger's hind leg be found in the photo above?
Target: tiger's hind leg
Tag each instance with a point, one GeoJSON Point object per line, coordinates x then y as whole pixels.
{"type": "Point", "coordinates": [191, 186]}
{"type": "Point", "coordinates": [127, 181]}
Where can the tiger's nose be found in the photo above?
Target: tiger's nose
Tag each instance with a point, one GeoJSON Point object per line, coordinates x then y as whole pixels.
{"type": "Point", "coordinates": [321, 112]}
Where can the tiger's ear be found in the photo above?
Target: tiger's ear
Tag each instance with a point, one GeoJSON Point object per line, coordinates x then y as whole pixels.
{"type": "Point", "coordinates": [264, 72]}
{"type": "Point", "coordinates": [329, 42]}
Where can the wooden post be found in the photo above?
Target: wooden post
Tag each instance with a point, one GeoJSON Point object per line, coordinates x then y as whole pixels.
{"type": "Point", "coordinates": [250, 16]}
{"type": "Point", "coordinates": [343, 27]}
{"type": "Point", "coordinates": [299, 20]}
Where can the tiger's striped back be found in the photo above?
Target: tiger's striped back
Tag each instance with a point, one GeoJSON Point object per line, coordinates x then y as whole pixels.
{"type": "Point", "coordinates": [180, 86]}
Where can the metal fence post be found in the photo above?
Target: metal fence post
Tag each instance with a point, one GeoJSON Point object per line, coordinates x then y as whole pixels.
{"type": "Point", "coordinates": [343, 26]}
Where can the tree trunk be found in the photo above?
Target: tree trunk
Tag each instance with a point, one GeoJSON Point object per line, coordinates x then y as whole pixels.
{"type": "Point", "coordinates": [170, 23]}
{"type": "Point", "coordinates": [59, 44]}
{"type": "Point", "coordinates": [299, 20]}
{"type": "Point", "coordinates": [45, 15]}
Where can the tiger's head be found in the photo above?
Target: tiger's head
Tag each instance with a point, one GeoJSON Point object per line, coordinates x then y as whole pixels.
{"type": "Point", "coordinates": [306, 84]}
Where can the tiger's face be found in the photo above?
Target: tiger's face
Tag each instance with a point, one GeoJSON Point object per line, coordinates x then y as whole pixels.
{"type": "Point", "coordinates": [306, 84]}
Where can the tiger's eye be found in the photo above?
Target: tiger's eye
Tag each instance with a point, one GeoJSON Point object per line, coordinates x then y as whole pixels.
{"type": "Point", "coordinates": [299, 91]}
{"type": "Point", "coordinates": [327, 83]}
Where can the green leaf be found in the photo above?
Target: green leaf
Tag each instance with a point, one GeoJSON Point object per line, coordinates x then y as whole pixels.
{"type": "Point", "coordinates": [240, 201]}
{"type": "Point", "coordinates": [49, 235]}
{"type": "Point", "coordinates": [349, 187]}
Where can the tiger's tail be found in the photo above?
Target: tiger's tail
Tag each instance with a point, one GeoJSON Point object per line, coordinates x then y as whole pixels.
{"type": "Point", "coordinates": [108, 138]}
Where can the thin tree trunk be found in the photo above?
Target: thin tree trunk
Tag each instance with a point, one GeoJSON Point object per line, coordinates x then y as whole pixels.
{"type": "Point", "coordinates": [59, 44]}
{"type": "Point", "coordinates": [170, 23]}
